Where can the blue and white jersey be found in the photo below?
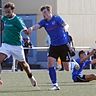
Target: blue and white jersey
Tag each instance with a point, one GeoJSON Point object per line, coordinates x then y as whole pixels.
{"type": "Point", "coordinates": [75, 72]}
{"type": "Point", "coordinates": [55, 30]}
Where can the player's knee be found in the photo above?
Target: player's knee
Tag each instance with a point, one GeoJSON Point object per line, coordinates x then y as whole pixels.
{"type": "Point", "coordinates": [50, 65]}
{"type": "Point", "coordinates": [51, 62]}
{"type": "Point", "coordinates": [24, 65]}
{"type": "Point", "coordinates": [93, 75]}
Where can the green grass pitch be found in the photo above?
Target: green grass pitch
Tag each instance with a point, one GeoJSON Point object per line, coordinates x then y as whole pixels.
{"type": "Point", "coordinates": [17, 84]}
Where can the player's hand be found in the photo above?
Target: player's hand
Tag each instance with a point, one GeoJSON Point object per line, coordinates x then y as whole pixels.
{"type": "Point", "coordinates": [27, 32]}
{"type": "Point", "coordinates": [30, 30]}
{"type": "Point", "coordinates": [93, 51]}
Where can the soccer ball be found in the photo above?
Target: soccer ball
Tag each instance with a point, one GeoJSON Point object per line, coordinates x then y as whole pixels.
{"type": "Point", "coordinates": [77, 67]}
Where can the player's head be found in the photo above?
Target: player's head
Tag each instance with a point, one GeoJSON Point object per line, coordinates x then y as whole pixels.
{"type": "Point", "coordinates": [9, 9]}
{"type": "Point", "coordinates": [81, 54]}
{"type": "Point", "coordinates": [46, 11]}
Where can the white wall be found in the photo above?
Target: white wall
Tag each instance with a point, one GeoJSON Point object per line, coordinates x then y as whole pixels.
{"type": "Point", "coordinates": [81, 16]}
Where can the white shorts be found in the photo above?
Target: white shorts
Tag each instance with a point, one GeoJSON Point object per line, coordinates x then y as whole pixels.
{"type": "Point", "coordinates": [16, 51]}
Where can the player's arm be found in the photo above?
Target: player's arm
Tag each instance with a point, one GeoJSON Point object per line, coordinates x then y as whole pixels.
{"type": "Point", "coordinates": [66, 27]}
{"type": "Point", "coordinates": [88, 56]}
{"type": "Point", "coordinates": [34, 27]}
{"type": "Point", "coordinates": [26, 31]}
{"type": "Point", "coordinates": [37, 26]}
{"type": "Point", "coordinates": [63, 23]}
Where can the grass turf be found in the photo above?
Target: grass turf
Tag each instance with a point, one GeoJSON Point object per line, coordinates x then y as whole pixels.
{"type": "Point", "coordinates": [17, 84]}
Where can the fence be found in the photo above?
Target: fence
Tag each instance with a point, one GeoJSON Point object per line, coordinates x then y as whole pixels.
{"type": "Point", "coordinates": [46, 48]}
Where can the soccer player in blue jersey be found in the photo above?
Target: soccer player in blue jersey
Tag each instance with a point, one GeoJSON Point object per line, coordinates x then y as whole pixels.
{"type": "Point", "coordinates": [56, 27]}
{"type": "Point", "coordinates": [83, 61]}
{"type": "Point", "coordinates": [13, 25]}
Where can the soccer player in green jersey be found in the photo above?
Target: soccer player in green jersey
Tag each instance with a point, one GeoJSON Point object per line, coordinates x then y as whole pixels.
{"type": "Point", "coordinates": [11, 45]}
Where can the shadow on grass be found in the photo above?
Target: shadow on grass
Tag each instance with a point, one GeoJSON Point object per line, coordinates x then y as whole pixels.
{"type": "Point", "coordinates": [68, 84]}
{"type": "Point", "coordinates": [24, 90]}
{"type": "Point", "coordinates": [76, 83]}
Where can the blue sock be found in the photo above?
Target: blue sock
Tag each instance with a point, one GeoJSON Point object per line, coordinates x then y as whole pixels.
{"type": "Point", "coordinates": [52, 74]}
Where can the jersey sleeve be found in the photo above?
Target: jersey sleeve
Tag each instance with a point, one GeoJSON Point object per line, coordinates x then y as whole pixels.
{"type": "Point", "coordinates": [60, 20]}
{"type": "Point", "coordinates": [41, 23]}
{"type": "Point", "coordinates": [20, 24]}
{"type": "Point", "coordinates": [87, 62]}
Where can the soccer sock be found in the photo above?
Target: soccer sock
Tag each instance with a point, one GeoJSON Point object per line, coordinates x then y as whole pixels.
{"type": "Point", "coordinates": [52, 74]}
{"type": "Point", "coordinates": [29, 75]}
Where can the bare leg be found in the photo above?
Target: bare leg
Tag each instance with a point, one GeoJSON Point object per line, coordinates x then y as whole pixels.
{"type": "Point", "coordinates": [1, 82]}
{"type": "Point", "coordinates": [62, 67]}
{"type": "Point", "coordinates": [66, 65]}
{"type": "Point", "coordinates": [2, 57]}
{"type": "Point", "coordinates": [90, 77]}
{"type": "Point", "coordinates": [0, 69]}
{"type": "Point", "coordinates": [27, 69]}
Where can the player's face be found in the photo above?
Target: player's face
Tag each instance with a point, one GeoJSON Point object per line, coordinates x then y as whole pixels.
{"type": "Point", "coordinates": [83, 55]}
{"type": "Point", "coordinates": [8, 12]}
{"type": "Point", "coordinates": [46, 14]}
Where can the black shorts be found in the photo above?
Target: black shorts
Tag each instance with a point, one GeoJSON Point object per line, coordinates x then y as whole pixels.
{"type": "Point", "coordinates": [81, 79]}
{"type": "Point", "coordinates": [59, 51]}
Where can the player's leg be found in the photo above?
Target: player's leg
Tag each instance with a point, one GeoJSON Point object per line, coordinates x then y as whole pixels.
{"type": "Point", "coordinates": [18, 54]}
{"type": "Point", "coordinates": [4, 53]}
{"type": "Point", "coordinates": [59, 62]}
{"type": "Point", "coordinates": [52, 70]}
{"type": "Point", "coordinates": [62, 67]}
{"type": "Point", "coordinates": [66, 65]}
{"type": "Point", "coordinates": [65, 57]}
{"type": "Point", "coordinates": [90, 77]}
{"type": "Point", "coordinates": [26, 54]}
{"type": "Point", "coordinates": [81, 78]}
{"type": "Point", "coordinates": [2, 57]}
{"type": "Point", "coordinates": [52, 73]}
{"type": "Point", "coordinates": [27, 69]}
{"type": "Point", "coordinates": [1, 82]}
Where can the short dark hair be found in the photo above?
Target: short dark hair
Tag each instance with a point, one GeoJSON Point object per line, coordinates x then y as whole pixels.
{"type": "Point", "coordinates": [48, 7]}
{"type": "Point", "coordinates": [81, 52]}
{"type": "Point", "coordinates": [9, 5]}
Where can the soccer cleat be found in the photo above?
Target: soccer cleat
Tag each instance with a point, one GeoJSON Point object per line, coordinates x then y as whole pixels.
{"type": "Point", "coordinates": [55, 87]}
{"type": "Point", "coordinates": [33, 81]}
